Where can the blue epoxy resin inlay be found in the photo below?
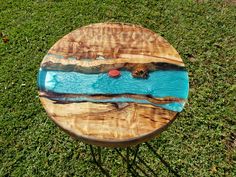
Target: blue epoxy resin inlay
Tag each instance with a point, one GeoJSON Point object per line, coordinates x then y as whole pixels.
{"type": "Point", "coordinates": [159, 84]}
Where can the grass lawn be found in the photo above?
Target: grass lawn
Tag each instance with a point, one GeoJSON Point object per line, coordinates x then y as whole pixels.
{"type": "Point", "coordinates": [201, 142]}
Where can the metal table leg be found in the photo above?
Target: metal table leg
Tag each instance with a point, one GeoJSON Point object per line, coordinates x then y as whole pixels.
{"type": "Point", "coordinates": [167, 165]}
{"type": "Point", "coordinates": [98, 163]}
{"type": "Point", "coordinates": [131, 164]}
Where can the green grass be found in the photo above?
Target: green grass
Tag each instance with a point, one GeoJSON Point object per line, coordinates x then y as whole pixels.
{"type": "Point", "coordinates": [201, 142]}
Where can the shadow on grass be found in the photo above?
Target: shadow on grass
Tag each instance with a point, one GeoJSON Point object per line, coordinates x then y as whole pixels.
{"type": "Point", "coordinates": [132, 166]}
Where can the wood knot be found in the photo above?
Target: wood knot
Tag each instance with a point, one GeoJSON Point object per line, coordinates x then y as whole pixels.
{"type": "Point", "coordinates": [140, 71]}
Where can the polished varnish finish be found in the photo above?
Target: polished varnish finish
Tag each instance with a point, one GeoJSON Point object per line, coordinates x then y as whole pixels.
{"type": "Point", "coordinates": [113, 84]}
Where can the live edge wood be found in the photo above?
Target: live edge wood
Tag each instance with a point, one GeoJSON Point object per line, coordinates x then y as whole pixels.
{"type": "Point", "coordinates": [106, 124]}
{"type": "Point", "coordinates": [98, 48]}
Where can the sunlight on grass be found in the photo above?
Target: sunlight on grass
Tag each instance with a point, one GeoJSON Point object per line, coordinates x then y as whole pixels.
{"type": "Point", "coordinates": [201, 142]}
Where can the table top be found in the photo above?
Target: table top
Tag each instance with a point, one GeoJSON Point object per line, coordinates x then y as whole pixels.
{"type": "Point", "coordinates": [113, 84]}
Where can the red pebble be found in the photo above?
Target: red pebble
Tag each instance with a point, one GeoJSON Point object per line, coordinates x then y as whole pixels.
{"type": "Point", "coordinates": [114, 73]}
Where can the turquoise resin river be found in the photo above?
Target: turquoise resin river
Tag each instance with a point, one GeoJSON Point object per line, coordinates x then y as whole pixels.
{"type": "Point", "coordinates": [159, 84]}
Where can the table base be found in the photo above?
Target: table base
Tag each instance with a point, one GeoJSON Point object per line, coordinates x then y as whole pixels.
{"type": "Point", "coordinates": [130, 159]}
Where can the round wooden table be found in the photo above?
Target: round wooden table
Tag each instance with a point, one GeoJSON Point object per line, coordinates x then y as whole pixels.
{"type": "Point", "coordinates": [112, 84]}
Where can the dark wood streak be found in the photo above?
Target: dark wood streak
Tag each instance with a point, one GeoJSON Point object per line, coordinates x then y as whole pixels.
{"type": "Point", "coordinates": [52, 96]}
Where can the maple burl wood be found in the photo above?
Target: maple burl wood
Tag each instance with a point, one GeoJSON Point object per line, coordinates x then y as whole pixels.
{"type": "Point", "coordinates": [107, 116]}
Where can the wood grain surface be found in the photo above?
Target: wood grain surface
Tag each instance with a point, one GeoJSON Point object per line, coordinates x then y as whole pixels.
{"type": "Point", "coordinates": [112, 116]}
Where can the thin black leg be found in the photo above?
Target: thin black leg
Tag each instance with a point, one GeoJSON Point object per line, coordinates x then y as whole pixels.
{"type": "Point", "coordinates": [99, 155]}
{"type": "Point", "coordinates": [131, 167]}
{"type": "Point", "coordinates": [97, 163]}
{"type": "Point", "coordinates": [162, 160]}
{"type": "Point", "coordinates": [130, 164]}
{"type": "Point", "coordinates": [127, 159]}
{"type": "Point", "coordinates": [135, 154]}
